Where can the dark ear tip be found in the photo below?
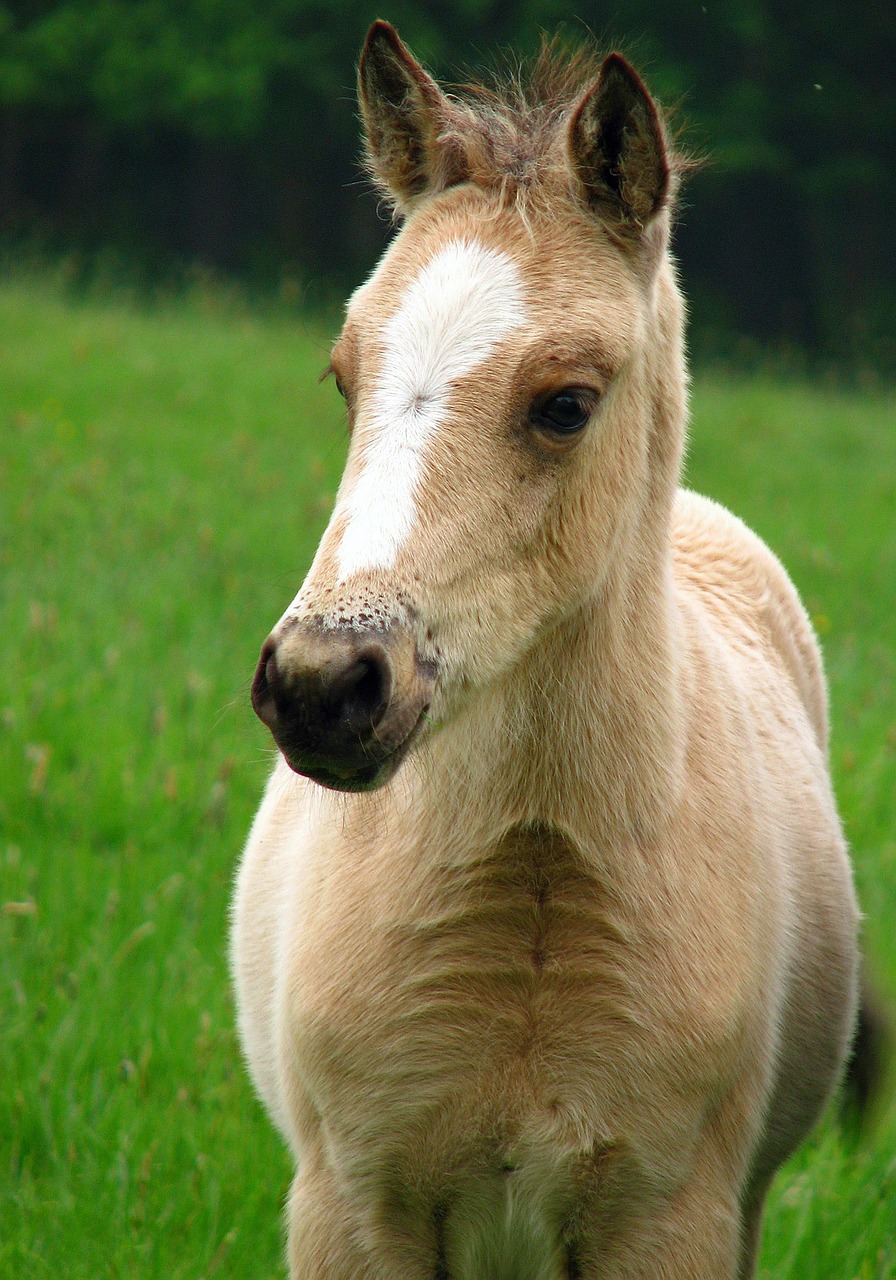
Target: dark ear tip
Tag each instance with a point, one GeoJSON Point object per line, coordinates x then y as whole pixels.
{"type": "Point", "coordinates": [381, 32]}
{"type": "Point", "coordinates": [617, 61]}
{"type": "Point", "coordinates": [385, 47]}
{"type": "Point", "coordinates": [617, 80]}
{"type": "Point", "coordinates": [382, 48]}
{"type": "Point", "coordinates": [617, 68]}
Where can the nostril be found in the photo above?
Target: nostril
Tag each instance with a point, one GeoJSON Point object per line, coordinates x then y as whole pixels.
{"type": "Point", "coordinates": [362, 693]}
{"type": "Point", "coordinates": [265, 680]}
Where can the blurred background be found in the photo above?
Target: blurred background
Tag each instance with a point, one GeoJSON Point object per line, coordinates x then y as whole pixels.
{"type": "Point", "coordinates": [146, 138]}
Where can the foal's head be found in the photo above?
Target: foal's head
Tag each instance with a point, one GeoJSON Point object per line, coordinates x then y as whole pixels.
{"type": "Point", "coordinates": [514, 386]}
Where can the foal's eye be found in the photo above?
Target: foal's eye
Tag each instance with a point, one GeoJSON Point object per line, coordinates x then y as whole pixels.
{"type": "Point", "coordinates": [339, 387]}
{"type": "Point", "coordinates": [564, 413]}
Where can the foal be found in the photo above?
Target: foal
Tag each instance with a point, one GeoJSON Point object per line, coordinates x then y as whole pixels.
{"type": "Point", "coordinates": [568, 969]}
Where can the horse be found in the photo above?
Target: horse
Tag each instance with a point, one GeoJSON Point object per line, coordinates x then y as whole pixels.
{"type": "Point", "coordinates": [544, 938]}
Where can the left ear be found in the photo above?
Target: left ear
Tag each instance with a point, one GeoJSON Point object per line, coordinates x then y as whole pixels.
{"type": "Point", "coordinates": [617, 149]}
{"type": "Point", "coordinates": [404, 113]}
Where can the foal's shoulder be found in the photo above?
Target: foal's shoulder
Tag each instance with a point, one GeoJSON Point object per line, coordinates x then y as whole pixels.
{"type": "Point", "coordinates": [716, 553]}
{"type": "Point", "coordinates": [746, 589]}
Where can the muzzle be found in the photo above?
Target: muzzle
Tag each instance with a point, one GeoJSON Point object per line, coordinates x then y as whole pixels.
{"type": "Point", "coordinates": [343, 703]}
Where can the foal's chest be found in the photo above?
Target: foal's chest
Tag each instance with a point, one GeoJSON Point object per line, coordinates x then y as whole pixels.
{"type": "Point", "coordinates": [483, 1019]}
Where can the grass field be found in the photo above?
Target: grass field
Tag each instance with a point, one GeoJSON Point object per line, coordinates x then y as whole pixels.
{"type": "Point", "coordinates": [163, 479]}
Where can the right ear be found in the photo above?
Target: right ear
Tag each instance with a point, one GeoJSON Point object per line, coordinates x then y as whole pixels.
{"type": "Point", "coordinates": [404, 112]}
{"type": "Point", "coordinates": [617, 148]}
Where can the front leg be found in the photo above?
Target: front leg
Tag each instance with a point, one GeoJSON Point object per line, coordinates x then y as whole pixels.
{"type": "Point", "coordinates": [695, 1236]}
{"type": "Point", "coordinates": [322, 1244]}
{"type": "Point", "coordinates": [330, 1239]}
{"type": "Point", "coordinates": [694, 1231]}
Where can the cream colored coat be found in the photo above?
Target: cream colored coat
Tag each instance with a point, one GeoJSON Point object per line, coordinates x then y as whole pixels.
{"type": "Point", "coordinates": [557, 999]}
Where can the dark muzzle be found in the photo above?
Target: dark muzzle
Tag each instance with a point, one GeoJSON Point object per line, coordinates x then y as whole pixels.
{"type": "Point", "coordinates": [343, 703]}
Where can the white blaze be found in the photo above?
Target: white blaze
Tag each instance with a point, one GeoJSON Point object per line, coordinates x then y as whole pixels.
{"type": "Point", "coordinates": [461, 305]}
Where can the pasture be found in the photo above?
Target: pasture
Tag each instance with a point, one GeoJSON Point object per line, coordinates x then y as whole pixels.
{"type": "Point", "coordinates": [165, 474]}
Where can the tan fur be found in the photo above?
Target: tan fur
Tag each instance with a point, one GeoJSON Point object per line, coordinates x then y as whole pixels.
{"type": "Point", "coordinates": [558, 1000]}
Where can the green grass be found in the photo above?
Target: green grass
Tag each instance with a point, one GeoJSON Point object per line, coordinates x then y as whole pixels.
{"type": "Point", "coordinates": [164, 478]}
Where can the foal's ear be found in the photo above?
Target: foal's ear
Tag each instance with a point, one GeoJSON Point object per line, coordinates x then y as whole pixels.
{"type": "Point", "coordinates": [617, 148]}
{"type": "Point", "coordinates": [404, 112]}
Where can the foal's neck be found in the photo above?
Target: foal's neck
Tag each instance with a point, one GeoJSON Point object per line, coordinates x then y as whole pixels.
{"type": "Point", "coordinates": [606, 698]}
{"type": "Point", "coordinates": [587, 733]}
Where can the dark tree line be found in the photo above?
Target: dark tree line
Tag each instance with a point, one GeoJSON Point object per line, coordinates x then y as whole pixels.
{"type": "Point", "coordinates": [225, 132]}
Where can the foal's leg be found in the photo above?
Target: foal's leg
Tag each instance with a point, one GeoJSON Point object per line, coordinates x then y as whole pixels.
{"type": "Point", "coordinates": [695, 1233]}
{"type": "Point", "coordinates": [322, 1244]}
{"type": "Point", "coordinates": [326, 1241]}
{"type": "Point", "coordinates": [697, 1237]}
{"type": "Point", "coordinates": [752, 1232]}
